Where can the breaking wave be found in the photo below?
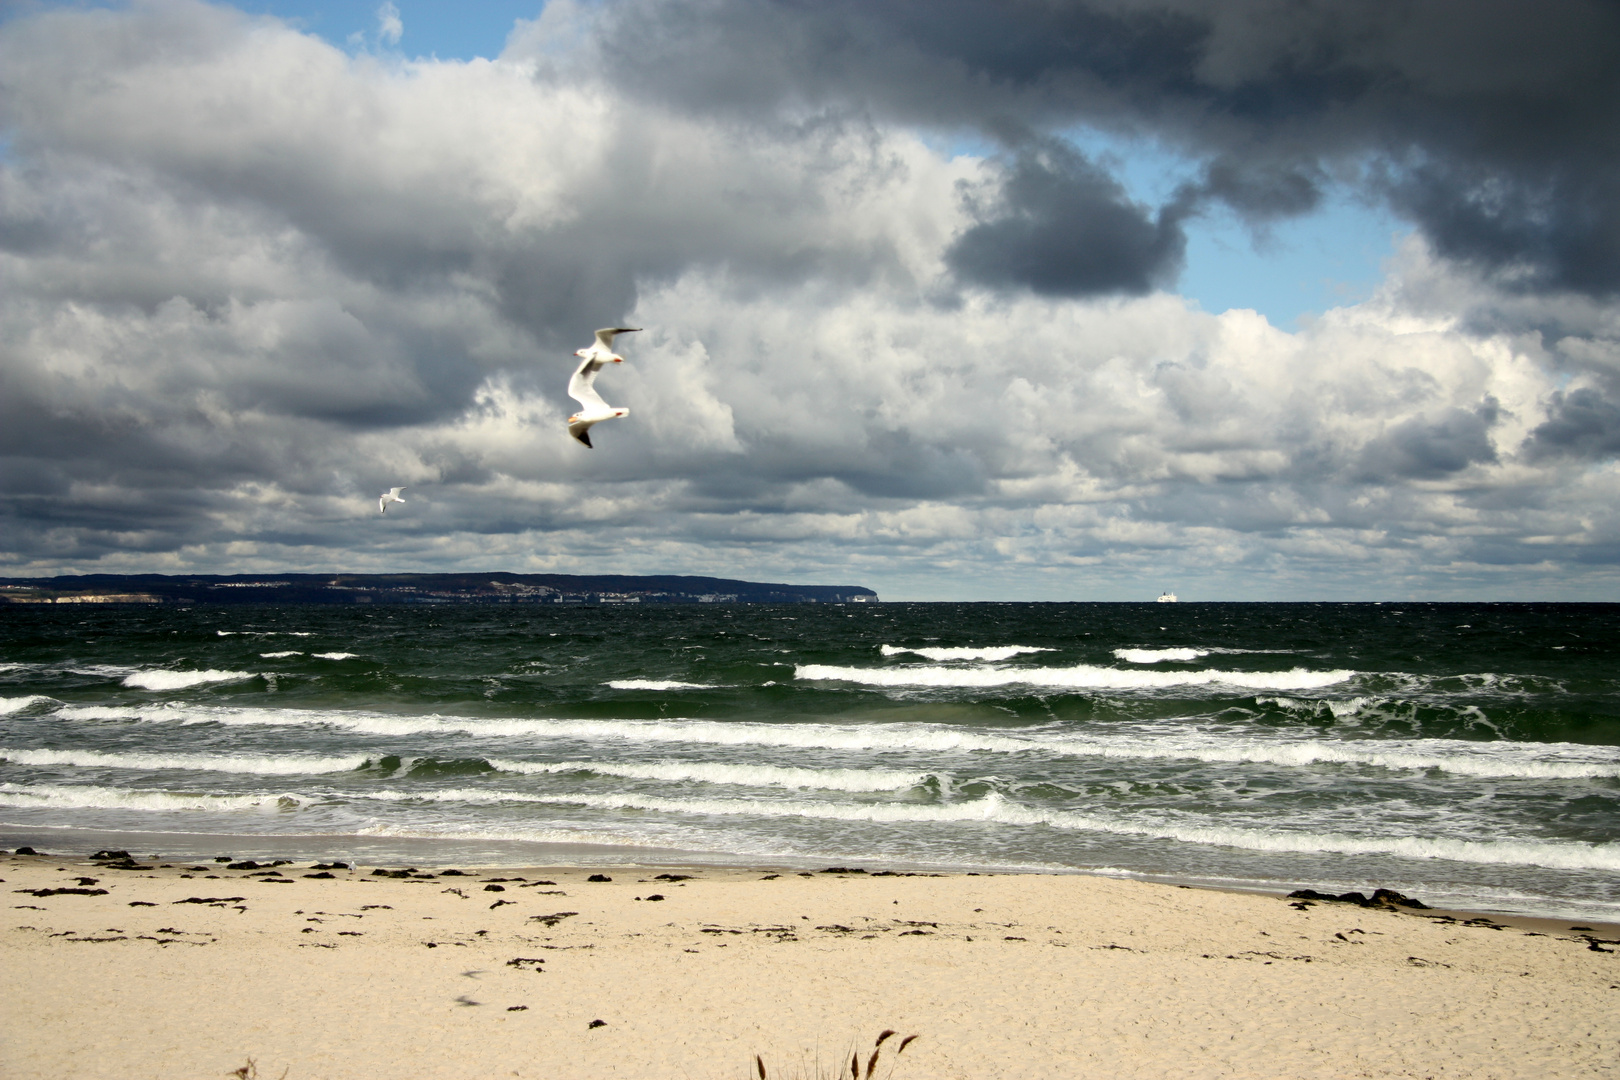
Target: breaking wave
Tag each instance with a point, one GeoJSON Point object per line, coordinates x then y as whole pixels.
{"type": "Point", "coordinates": [1154, 656]}
{"type": "Point", "coordinates": [164, 679]}
{"type": "Point", "coordinates": [1079, 677]}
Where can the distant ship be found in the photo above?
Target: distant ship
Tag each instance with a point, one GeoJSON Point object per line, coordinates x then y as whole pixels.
{"type": "Point", "coordinates": [1167, 598]}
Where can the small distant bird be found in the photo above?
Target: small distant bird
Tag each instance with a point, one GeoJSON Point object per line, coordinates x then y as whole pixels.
{"type": "Point", "coordinates": [582, 387]}
{"type": "Point", "coordinates": [391, 496]}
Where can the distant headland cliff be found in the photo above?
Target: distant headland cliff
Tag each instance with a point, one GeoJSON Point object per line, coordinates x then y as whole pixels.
{"type": "Point", "coordinates": [487, 588]}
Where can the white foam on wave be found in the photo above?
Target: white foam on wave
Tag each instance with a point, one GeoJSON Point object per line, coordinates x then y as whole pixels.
{"type": "Point", "coordinates": [658, 684]}
{"type": "Point", "coordinates": [1079, 677]}
{"type": "Point", "coordinates": [990, 653]}
{"type": "Point", "coordinates": [12, 667]}
{"type": "Point", "coordinates": [1154, 656]}
{"type": "Point", "coordinates": [109, 671]}
{"type": "Point", "coordinates": [264, 765]}
{"type": "Point", "coordinates": [997, 809]}
{"type": "Point", "coordinates": [336, 656]}
{"type": "Point", "coordinates": [700, 732]}
{"type": "Point", "coordinates": [164, 679]}
{"type": "Point", "coordinates": [93, 797]}
{"type": "Point", "coordinates": [266, 633]}
{"type": "Point", "coordinates": [713, 772]}
{"type": "Point", "coordinates": [1499, 759]}
{"type": "Point", "coordinates": [1503, 760]}
{"type": "Point", "coordinates": [281, 655]}
{"type": "Point", "coordinates": [9, 705]}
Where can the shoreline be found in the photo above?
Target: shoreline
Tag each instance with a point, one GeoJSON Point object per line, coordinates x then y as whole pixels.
{"type": "Point", "coordinates": [514, 855]}
{"type": "Point", "coordinates": [131, 968]}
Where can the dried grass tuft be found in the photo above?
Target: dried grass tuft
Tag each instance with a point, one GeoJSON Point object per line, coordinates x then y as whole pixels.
{"type": "Point", "coordinates": [836, 1072]}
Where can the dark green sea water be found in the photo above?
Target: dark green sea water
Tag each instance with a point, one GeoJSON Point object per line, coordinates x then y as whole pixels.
{"type": "Point", "coordinates": [1467, 754]}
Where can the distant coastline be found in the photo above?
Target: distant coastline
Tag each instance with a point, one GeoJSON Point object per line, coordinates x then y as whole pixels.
{"type": "Point", "coordinates": [480, 588]}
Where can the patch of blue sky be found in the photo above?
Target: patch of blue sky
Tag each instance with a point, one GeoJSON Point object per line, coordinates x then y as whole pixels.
{"type": "Point", "coordinates": [428, 28]}
{"type": "Point", "coordinates": [1290, 269]}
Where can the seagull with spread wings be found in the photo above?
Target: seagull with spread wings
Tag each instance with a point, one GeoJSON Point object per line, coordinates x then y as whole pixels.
{"type": "Point", "coordinates": [582, 387]}
{"type": "Point", "coordinates": [391, 495]}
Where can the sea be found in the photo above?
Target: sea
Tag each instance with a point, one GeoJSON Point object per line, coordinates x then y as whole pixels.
{"type": "Point", "coordinates": [1464, 754]}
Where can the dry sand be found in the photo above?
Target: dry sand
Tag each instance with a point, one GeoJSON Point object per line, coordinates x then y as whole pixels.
{"type": "Point", "coordinates": [360, 976]}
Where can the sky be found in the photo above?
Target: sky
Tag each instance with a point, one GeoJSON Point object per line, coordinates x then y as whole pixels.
{"type": "Point", "coordinates": [955, 300]}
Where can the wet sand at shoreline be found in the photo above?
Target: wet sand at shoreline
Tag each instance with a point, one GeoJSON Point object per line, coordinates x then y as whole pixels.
{"type": "Point", "coordinates": [135, 969]}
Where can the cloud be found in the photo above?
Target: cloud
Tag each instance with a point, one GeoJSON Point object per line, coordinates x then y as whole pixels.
{"type": "Point", "coordinates": [390, 28]}
{"type": "Point", "coordinates": [1493, 126]}
{"type": "Point", "coordinates": [1061, 226]}
{"type": "Point", "coordinates": [253, 280]}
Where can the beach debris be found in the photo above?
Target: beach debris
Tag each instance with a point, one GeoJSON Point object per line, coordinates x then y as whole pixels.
{"type": "Point", "coordinates": [532, 884]}
{"type": "Point", "coordinates": [110, 855]}
{"type": "Point", "coordinates": [330, 866]}
{"type": "Point", "coordinates": [63, 892]}
{"type": "Point", "coordinates": [141, 903]}
{"type": "Point", "coordinates": [1381, 898]}
{"type": "Point", "coordinates": [673, 877]}
{"type": "Point", "coordinates": [598, 877]}
{"type": "Point", "coordinates": [494, 888]}
{"type": "Point", "coordinates": [597, 1024]}
{"type": "Point", "coordinates": [216, 901]}
{"type": "Point", "coordinates": [519, 962]}
{"type": "Point", "coordinates": [552, 919]}
{"type": "Point", "coordinates": [517, 1008]}
{"type": "Point", "coordinates": [843, 870]}
{"type": "Point", "coordinates": [452, 873]}
{"type": "Point", "coordinates": [324, 875]}
{"type": "Point", "coordinates": [26, 850]}
{"type": "Point", "coordinates": [499, 903]}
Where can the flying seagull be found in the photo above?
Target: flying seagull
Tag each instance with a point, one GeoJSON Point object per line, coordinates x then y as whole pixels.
{"type": "Point", "coordinates": [582, 387]}
{"type": "Point", "coordinates": [391, 496]}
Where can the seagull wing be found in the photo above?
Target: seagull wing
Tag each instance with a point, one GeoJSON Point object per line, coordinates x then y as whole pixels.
{"type": "Point", "coordinates": [582, 387]}
{"type": "Point", "coordinates": [581, 430]}
{"type": "Point", "coordinates": [394, 493]}
{"type": "Point", "coordinates": [604, 336]}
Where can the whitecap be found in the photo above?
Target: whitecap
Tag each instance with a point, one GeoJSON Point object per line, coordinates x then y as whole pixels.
{"type": "Point", "coordinates": [164, 679]}
{"type": "Point", "coordinates": [335, 655]}
{"type": "Point", "coordinates": [1079, 677]}
{"type": "Point", "coordinates": [93, 797]}
{"type": "Point", "coordinates": [9, 705]}
{"type": "Point", "coordinates": [658, 684]}
{"type": "Point", "coordinates": [1154, 656]}
{"type": "Point", "coordinates": [262, 765]}
{"type": "Point", "coordinates": [712, 772]}
{"type": "Point", "coordinates": [281, 655]}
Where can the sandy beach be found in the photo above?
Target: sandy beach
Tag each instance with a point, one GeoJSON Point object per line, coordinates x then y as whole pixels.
{"type": "Point", "coordinates": [137, 969]}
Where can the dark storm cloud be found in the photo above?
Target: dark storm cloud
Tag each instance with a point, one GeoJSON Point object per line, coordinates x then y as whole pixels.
{"type": "Point", "coordinates": [1582, 424]}
{"type": "Point", "coordinates": [1431, 448]}
{"type": "Point", "coordinates": [1064, 227]}
{"type": "Point", "coordinates": [1493, 124]}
